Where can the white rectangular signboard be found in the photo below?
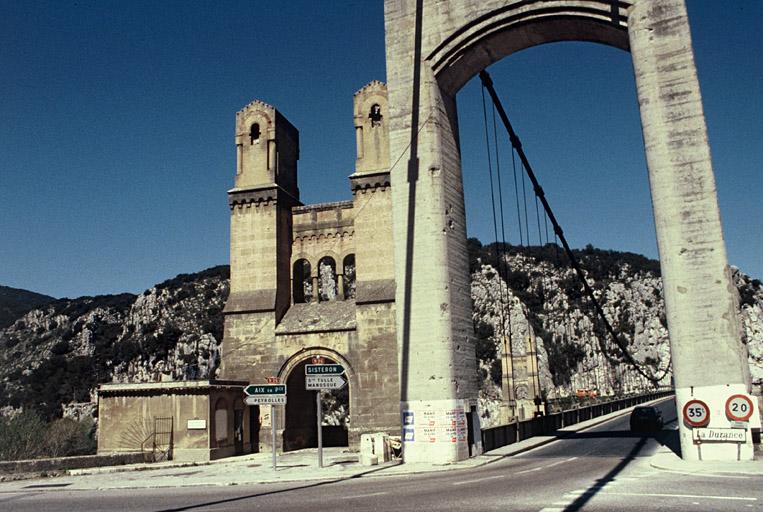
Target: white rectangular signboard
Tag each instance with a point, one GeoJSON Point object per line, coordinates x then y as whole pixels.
{"type": "Point", "coordinates": [265, 400]}
{"type": "Point", "coordinates": [724, 435]}
{"type": "Point", "coordinates": [318, 382]}
{"type": "Point", "coordinates": [197, 424]}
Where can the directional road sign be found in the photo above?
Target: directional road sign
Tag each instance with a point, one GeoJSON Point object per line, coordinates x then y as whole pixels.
{"type": "Point", "coordinates": [324, 369]}
{"type": "Point", "coordinates": [265, 400]}
{"type": "Point", "coordinates": [696, 413]}
{"type": "Point", "coordinates": [318, 382]}
{"type": "Point", "coordinates": [265, 389]}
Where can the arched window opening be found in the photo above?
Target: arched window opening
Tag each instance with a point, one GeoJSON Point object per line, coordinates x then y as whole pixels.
{"type": "Point", "coordinates": [254, 133]}
{"type": "Point", "coordinates": [375, 115]}
{"type": "Point", "coordinates": [348, 270]}
{"type": "Point", "coordinates": [221, 420]}
{"type": "Point", "coordinates": [327, 283]}
{"type": "Point", "coordinates": [301, 282]}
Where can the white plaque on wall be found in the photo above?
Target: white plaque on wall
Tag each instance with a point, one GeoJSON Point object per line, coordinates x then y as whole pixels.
{"type": "Point", "coordinates": [197, 424]}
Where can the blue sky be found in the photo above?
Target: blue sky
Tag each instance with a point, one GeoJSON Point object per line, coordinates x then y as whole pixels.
{"type": "Point", "coordinates": [116, 140]}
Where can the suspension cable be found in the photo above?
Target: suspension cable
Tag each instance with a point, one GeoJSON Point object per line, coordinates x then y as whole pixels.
{"type": "Point", "coordinates": [505, 274]}
{"type": "Point", "coordinates": [487, 83]}
{"type": "Point", "coordinates": [495, 229]}
{"type": "Point", "coordinates": [516, 195]}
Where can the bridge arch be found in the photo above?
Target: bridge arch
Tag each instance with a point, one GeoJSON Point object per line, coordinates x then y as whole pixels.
{"type": "Point", "coordinates": [433, 48]}
{"type": "Point", "coordinates": [501, 28]}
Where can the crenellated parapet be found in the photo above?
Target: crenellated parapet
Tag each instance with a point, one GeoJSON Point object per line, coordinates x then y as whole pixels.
{"type": "Point", "coordinates": [370, 182]}
{"type": "Point", "coordinates": [260, 197]}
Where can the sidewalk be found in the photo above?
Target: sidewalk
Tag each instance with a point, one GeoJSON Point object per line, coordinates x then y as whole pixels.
{"type": "Point", "coordinates": [339, 464]}
{"type": "Point", "coordinates": [667, 460]}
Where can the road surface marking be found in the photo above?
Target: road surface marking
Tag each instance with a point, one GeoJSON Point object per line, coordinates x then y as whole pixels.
{"type": "Point", "coordinates": [661, 495]}
{"type": "Point", "coordinates": [528, 471]}
{"type": "Point", "coordinates": [552, 509]}
{"type": "Point", "coordinates": [546, 466]}
{"type": "Point", "coordinates": [479, 480]}
{"type": "Point", "coordinates": [363, 495]}
{"type": "Point", "coordinates": [559, 462]}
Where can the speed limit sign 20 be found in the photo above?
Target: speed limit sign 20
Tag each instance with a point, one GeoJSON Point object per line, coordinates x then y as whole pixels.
{"type": "Point", "coordinates": [738, 408]}
{"type": "Point", "coordinates": [696, 413]}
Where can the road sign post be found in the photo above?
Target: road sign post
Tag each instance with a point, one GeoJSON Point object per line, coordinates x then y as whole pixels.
{"type": "Point", "coordinates": [319, 417]}
{"type": "Point", "coordinates": [267, 394]}
{"type": "Point", "coordinates": [317, 378]}
{"type": "Point", "coordinates": [273, 433]}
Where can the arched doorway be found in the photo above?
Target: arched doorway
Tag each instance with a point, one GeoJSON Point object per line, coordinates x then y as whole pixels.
{"type": "Point", "coordinates": [446, 45]}
{"type": "Point", "coordinates": [300, 427]}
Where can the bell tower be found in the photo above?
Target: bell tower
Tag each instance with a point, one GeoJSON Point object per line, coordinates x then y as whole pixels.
{"type": "Point", "coordinates": [267, 150]}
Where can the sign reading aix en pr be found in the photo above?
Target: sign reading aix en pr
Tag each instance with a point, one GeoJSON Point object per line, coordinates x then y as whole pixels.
{"type": "Point", "coordinates": [265, 389]}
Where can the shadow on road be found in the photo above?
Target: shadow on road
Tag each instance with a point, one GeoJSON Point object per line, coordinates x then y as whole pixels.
{"type": "Point", "coordinates": [584, 498]}
{"type": "Point", "coordinates": [269, 493]}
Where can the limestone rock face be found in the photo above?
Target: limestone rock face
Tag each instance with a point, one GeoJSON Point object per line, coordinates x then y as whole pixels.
{"type": "Point", "coordinates": [538, 295]}
{"type": "Point", "coordinates": [52, 358]}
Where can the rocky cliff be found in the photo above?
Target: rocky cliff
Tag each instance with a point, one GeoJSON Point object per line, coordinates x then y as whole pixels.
{"type": "Point", "coordinates": [52, 357]}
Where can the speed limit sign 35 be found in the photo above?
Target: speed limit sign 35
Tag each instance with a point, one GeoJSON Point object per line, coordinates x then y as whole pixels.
{"type": "Point", "coordinates": [696, 413]}
{"type": "Point", "coordinates": [739, 408]}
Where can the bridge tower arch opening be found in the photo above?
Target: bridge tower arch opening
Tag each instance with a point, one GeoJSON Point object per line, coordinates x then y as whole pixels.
{"type": "Point", "coordinates": [432, 49]}
{"type": "Point", "coordinates": [300, 412]}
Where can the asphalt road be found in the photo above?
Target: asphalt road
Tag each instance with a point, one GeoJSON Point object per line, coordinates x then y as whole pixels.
{"type": "Point", "coordinates": [604, 468]}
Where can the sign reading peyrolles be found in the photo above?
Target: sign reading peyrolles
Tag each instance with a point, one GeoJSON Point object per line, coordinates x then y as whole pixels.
{"type": "Point", "coordinates": [265, 394]}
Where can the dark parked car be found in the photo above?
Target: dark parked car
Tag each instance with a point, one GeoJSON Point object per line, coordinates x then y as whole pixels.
{"type": "Point", "coordinates": [646, 419]}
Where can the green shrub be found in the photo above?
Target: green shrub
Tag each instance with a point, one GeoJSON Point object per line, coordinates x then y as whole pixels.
{"type": "Point", "coordinates": [66, 437]}
{"type": "Point", "coordinates": [21, 436]}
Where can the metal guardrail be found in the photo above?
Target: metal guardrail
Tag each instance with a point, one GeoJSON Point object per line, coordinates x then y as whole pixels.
{"type": "Point", "coordinates": [503, 435]}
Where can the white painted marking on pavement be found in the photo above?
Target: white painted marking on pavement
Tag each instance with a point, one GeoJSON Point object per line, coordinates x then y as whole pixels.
{"type": "Point", "coordinates": [661, 495]}
{"type": "Point", "coordinates": [363, 495]}
{"type": "Point", "coordinates": [546, 466]}
{"type": "Point", "coordinates": [528, 471]}
{"type": "Point", "coordinates": [479, 480]}
{"type": "Point", "coordinates": [558, 462]}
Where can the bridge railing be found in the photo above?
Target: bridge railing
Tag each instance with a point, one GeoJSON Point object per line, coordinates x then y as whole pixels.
{"type": "Point", "coordinates": [502, 435]}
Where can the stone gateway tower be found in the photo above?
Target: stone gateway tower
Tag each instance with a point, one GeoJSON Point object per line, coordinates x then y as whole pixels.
{"type": "Point", "coordinates": [313, 280]}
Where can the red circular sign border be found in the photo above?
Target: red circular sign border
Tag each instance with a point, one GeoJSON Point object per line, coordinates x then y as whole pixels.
{"type": "Point", "coordinates": [730, 416]}
{"type": "Point", "coordinates": [686, 417]}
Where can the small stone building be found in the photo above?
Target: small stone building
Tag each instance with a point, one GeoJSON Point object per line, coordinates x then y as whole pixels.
{"type": "Point", "coordinates": [313, 280]}
{"type": "Point", "coordinates": [190, 420]}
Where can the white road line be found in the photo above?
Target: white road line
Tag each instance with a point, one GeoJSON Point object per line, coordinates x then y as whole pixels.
{"type": "Point", "coordinates": [661, 495]}
{"type": "Point", "coordinates": [546, 466]}
{"type": "Point", "coordinates": [559, 462]}
{"type": "Point", "coordinates": [464, 482]}
{"type": "Point", "coordinates": [551, 509]}
{"type": "Point", "coordinates": [363, 495]}
{"type": "Point", "coordinates": [528, 471]}
{"type": "Point", "coordinates": [690, 496]}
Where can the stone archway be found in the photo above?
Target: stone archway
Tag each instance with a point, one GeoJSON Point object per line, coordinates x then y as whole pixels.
{"type": "Point", "coordinates": [433, 48]}
{"type": "Point", "coordinates": [299, 421]}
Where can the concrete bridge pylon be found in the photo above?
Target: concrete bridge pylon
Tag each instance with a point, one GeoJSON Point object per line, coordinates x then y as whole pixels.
{"type": "Point", "coordinates": [433, 48]}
